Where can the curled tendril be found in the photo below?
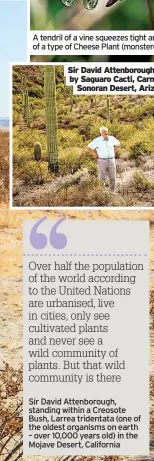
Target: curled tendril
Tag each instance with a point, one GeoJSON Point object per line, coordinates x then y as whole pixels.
{"type": "Point", "coordinates": [88, 4]}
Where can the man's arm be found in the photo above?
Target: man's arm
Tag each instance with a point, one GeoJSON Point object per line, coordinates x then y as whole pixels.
{"type": "Point", "coordinates": [116, 148]}
{"type": "Point", "coordinates": [92, 152]}
{"type": "Point", "coordinates": [116, 144]}
{"type": "Point", "coordinates": [92, 147]}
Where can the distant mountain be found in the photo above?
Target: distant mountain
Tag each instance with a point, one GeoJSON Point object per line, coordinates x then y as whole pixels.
{"type": "Point", "coordinates": [4, 123]}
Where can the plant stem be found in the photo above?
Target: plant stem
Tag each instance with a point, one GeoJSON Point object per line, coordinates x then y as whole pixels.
{"type": "Point", "coordinates": [150, 15]}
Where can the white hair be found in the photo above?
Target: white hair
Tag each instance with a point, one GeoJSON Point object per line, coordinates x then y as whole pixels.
{"type": "Point", "coordinates": [103, 128]}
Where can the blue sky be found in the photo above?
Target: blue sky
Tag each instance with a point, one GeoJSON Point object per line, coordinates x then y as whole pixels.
{"type": "Point", "coordinates": [13, 31]}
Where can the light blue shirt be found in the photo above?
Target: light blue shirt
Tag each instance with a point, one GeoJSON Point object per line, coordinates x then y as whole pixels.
{"type": "Point", "coordinates": [104, 148]}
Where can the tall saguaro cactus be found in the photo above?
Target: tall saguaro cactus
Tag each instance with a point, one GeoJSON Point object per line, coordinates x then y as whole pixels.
{"type": "Point", "coordinates": [108, 108]}
{"type": "Point", "coordinates": [25, 102]}
{"type": "Point", "coordinates": [28, 113]}
{"type": "Point", "coordinates": [51, 118]}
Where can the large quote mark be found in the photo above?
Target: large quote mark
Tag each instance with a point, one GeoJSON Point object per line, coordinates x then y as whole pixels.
{"type": "Point", "coordinates": [39, 240]}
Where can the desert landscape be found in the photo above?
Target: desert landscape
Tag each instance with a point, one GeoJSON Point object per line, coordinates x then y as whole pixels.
{"type": "Point", "coordinates": [51, 131]}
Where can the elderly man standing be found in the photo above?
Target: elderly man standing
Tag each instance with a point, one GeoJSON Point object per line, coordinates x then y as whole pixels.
{"type": "Point", "coordinates": [103, 148]}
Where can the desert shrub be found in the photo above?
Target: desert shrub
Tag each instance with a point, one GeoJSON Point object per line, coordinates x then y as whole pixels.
{"type": "Point", "coordinates": [38, 124]}
{"type": "Point", "coordinates": [125, 195]}
{"type": "Point", "coordinates": [148, 131]}
{"type": "Point", "coordinates": [93, 194]}
{"type": "Point", "coordinates": [69, 179]}
{"type": "Point", "coordinates": [137, 150]}
{"type": "Point", "coordinates": [149, 106]}
{"type": "Point", "coordinates": [38, 104]}
{"type": "Point", "coordinates": [35, 90]}
{"type": "Point", "coordinates": [63, 108]}
{"type": "Point", "coordinates": [27, 138]}
{"type": "Point", "coordinates": [33, 172]}
{"type": "Point", "coordinates": [21, 157]}
{"type": "Point", "coordinates": [37, 113]}
{"type": "Point", "coordinates": [139, 145]}
{"type": "Point", "coordinates": [95, 130]}
{"type": "Point", "coordinates": [125, 132]}
{"type": "Point", "coordinates": [65, 119]}
{"type": "Point", "coordinates": [70, 160]}
{"type": "Point", "coordinates": [17, 106]}
{"type": "Point", "coordinates": [86, 124]}
{"type": "Point", "coordinates": [69, 138]}
{"type": "Point", "coordinates": [141, 183]}
{"type": "Point", "coordinates": [91, 166]}
{"type": "Point", "coordinates": [136, 112]}
{"type": "Point", "coordinates": [17, 118]}
{"type": "Point", "coordinates": [72, 195]}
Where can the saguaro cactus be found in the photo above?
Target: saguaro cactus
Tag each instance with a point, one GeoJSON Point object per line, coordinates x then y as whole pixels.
{"type": "Point", "coordinates": [37, 151]}
{"type": "Point", "coordinates": [51, 118]}
{"type": "Point", "coordinates": [108, 109]}
{"type": "Point", "coordinates": [24, 95]}
{"type": "Point", "coordinates": [73, 99]}
{"type": "Point", "coordinates": [25, 104]}
{"type": "Point", "coordinates": [23, 85]}
{"type": "Point", "coordinates": [28, 112]}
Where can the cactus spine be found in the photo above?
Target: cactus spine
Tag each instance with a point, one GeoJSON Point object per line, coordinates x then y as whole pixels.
{"type": "Point", "coordinates": [37, 151]}
{"type": "Point", "coordinates": [51, 118]}
{"type": "Point", "coordinates": [108, 109]}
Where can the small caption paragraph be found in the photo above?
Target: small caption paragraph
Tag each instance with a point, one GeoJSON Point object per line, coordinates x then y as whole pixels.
{"type": "Point", "coordinates": [91, 43]}
{"type": "Point", "coordinates": [102, 78]}
{"type": "Point", "coordinates": [86, 337]}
